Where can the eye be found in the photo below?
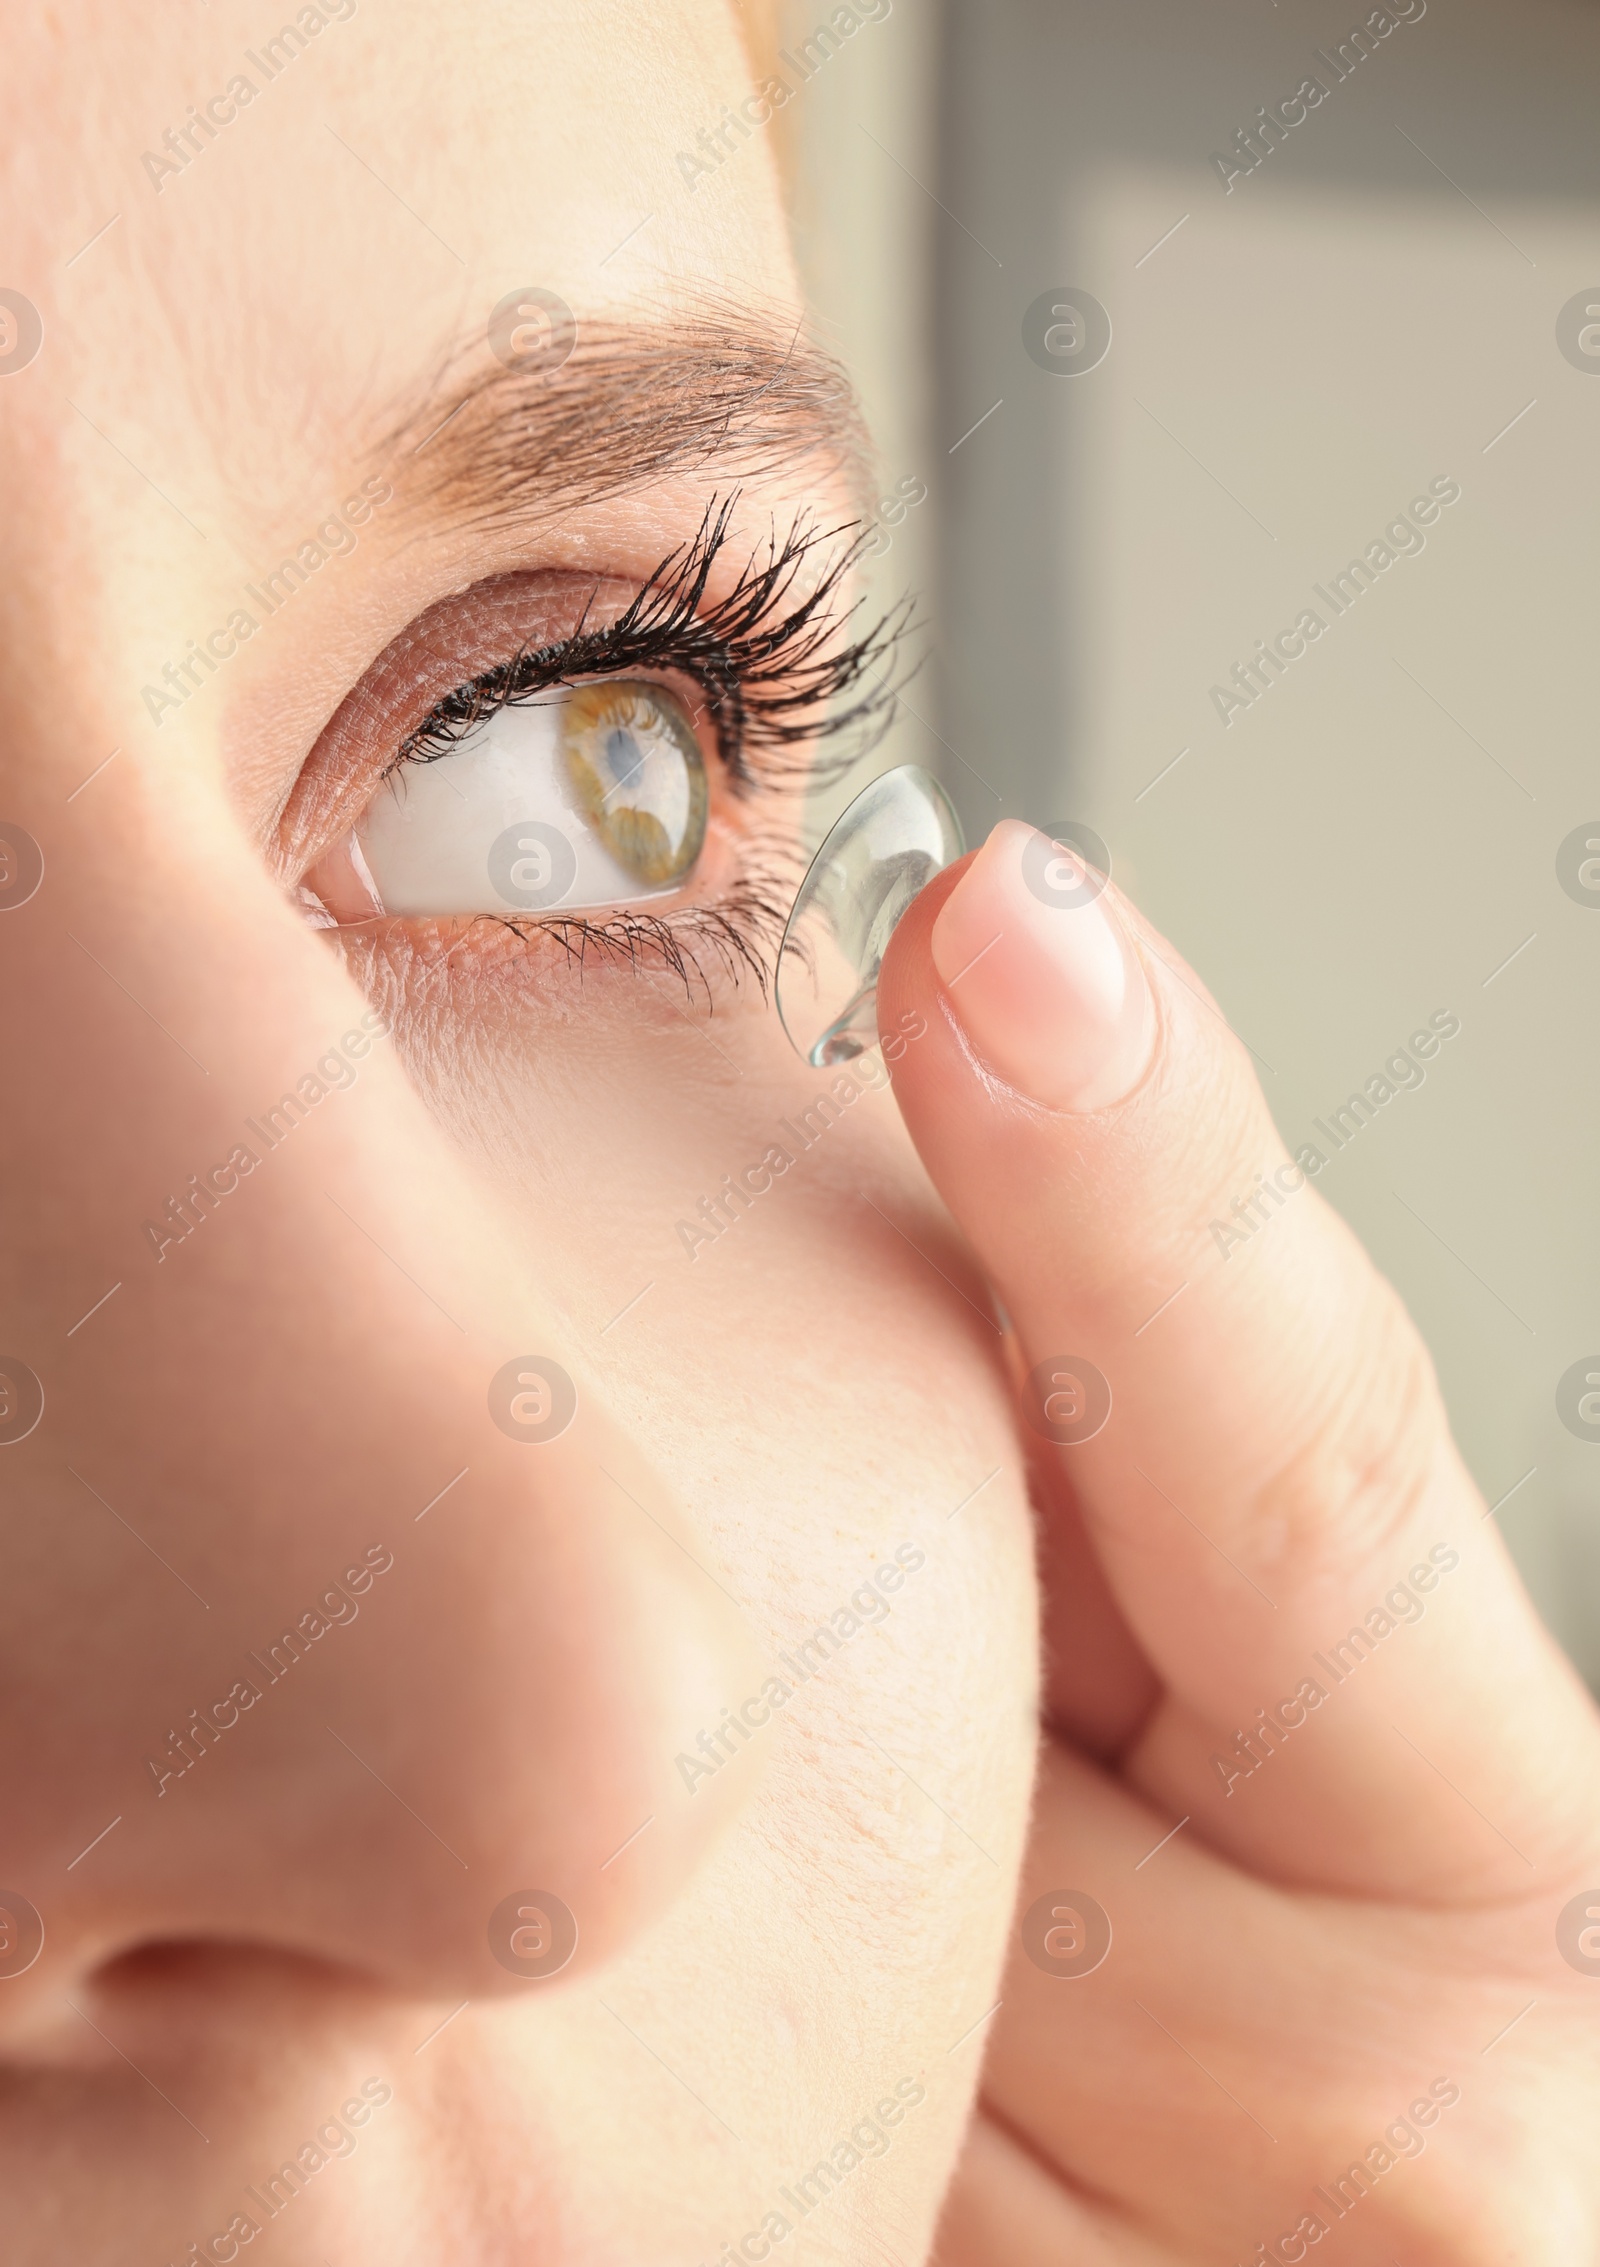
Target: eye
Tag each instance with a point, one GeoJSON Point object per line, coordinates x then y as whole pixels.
{"type": "Point", "coordinates": [523, 748]}
{"type": "Point", "coordinates": [579, 798]}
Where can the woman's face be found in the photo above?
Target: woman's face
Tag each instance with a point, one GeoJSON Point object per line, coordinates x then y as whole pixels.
{"type": "Point", "coordinates": [343, 1679]}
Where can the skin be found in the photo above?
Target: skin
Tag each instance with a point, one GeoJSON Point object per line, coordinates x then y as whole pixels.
{"type": "Point", "coordinates": [300, 1378]}
{"type": "Point", "coordinates": [826, 1917]}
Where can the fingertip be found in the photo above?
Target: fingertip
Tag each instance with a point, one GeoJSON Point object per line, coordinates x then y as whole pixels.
{"type": "Point", "coordinates": [1041, 974]}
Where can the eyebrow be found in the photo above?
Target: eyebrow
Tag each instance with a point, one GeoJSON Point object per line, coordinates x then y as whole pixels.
{"type": "Point", "coordinates": [634, 402]}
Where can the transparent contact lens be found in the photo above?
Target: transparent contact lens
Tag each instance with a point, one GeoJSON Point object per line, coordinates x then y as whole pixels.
{"type": "Point", "coordinates": [896, 835]}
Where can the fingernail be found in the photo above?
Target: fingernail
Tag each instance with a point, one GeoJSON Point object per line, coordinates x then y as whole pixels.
{"type": "Point", "coordinates": [1041, 975]}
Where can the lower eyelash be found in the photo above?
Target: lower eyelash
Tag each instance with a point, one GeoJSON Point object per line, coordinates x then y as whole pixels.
{"type": "Point", "coordinates": [736, 938]}
{"type": "Point", "coordinates": [706, 948]}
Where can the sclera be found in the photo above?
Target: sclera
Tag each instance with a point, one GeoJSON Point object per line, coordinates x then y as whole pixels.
{"type": "Point", "coordinates": [530, 812]}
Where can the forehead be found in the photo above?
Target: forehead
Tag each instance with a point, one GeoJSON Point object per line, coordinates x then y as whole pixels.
{"type": "Point", "coordinates": [306, 216]}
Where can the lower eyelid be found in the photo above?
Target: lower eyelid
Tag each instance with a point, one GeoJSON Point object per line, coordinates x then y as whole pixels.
{"type": "Point", "coordinates": [717, 940]}
{"type": "Point", "coordinates": [710, 951]}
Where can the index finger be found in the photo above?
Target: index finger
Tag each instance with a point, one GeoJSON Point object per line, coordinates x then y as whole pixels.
{"type": "Point", "coordinates": [1355, 1689]}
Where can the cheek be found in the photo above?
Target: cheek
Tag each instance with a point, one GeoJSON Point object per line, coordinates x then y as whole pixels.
{"type": "Point", "coordinates": [757, 1373]}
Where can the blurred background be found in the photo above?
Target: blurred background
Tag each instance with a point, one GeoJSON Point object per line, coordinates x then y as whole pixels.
{"type": "Point", "coordinates": [1395, 293]}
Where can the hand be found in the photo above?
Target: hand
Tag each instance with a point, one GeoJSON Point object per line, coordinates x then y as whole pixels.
{"type": "Point", "coordinates": [1307, 1748]}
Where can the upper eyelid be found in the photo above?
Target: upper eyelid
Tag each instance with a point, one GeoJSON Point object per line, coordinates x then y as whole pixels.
{"type": "Point", "coordinates": [763, 653]}
{"type": "Point", "coordinates": [548, 663]}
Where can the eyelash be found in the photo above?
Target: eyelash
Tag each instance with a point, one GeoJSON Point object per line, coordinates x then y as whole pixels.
{"type": "Point", "coordinates": [759, 655]}
{"type": "Point", "coordinates": [765, 659]}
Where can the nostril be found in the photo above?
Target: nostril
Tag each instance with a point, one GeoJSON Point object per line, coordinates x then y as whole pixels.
{"type": "Point", "coordinates": [162, 1998]}
{"type": "Point", "coordinates": [183, 1965]}
{"type": "Point", "coordinates": [173, 2027]}
{"type": "Point", "coordinates": [178, 1997]}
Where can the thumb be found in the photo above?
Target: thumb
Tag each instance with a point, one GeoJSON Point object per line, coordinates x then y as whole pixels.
{"type": "Point", "coordinates": [1233, 1398]}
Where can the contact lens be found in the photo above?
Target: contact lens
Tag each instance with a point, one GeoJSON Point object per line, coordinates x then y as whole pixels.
{"type": "Point", "coordinates": [897, 834]}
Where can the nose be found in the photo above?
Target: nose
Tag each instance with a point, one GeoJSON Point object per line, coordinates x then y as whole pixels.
{"type": "Point", "coordinates": [342, 1624]}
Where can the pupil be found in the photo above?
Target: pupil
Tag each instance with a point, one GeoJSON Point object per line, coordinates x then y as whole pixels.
{"type": "Point", "coordinates": [624, 759]}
